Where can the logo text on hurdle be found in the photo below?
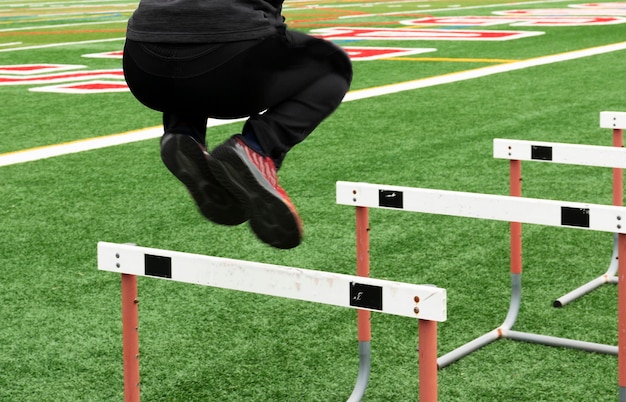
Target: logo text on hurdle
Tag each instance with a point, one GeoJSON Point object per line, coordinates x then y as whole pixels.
{"type": "Point", "coordinates": [390, 199]}
{"type": "Point", "coordinates": [366, 296]}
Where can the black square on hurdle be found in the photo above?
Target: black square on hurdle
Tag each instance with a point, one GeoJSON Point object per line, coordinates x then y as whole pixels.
{"type": "Point", "coordinates": [578, 217]}
{"type": "Point", "coordinates": [159, 266]}
{"type": "Point", "coordinates": [390, 199]}
{"type": "Point", "coordinates": [540, 152]}
{"type": "Point", "coordinates": [366, 296]}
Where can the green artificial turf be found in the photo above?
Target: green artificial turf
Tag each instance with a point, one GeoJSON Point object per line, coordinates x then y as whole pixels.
{"type": "Point", "coordinates": [60, 338]}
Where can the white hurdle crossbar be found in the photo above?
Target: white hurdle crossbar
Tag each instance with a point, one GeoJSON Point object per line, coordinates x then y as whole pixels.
{"type": "Point", "coordinates": [426, 303]}
{"type": "Point", "coordinates": [516, 210]}
{"type": "Point", "coordinates": [604, 218]}
{"type": "Point", "coordinates": [574, 154]}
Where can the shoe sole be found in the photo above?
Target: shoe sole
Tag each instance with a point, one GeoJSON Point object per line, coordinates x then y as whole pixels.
{"type": "Point", "coordinates": [185, 159]}
{"type": "Point", "coordinates": [272, 219]}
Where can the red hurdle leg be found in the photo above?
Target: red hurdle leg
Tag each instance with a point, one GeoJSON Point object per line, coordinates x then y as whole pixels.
{"type": "Point", "coordinates": [428, 390]}
{"type": "Point", "coordinates": [363, 267]}
{"type": "Point", "coordinates": [130, 337]}
{"type": "Point", "coordinates": [621, 317]}
{"type": "Point", "coordinates": [515, 186]}
{"type": "Point", "coordinates": [618, 179]}
{"type": "Point", "coordinates": [618, 191]}
{"type": "Point", "coordinates": [363, 316]}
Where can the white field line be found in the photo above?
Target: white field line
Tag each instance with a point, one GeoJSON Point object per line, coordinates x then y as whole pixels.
{"type": "Point", "coordinates": [291, 5]}
{"type": "Point", "coordinates": [154, 132]}
{"type": "Point", "coordinates": [57, 5]}
{"type": "Point", "coordinates": [28, 3]}
{"type": "Point", "coordinates": [89, 144]}
{"type": "Point", "coordinates": [61, 44]}
{"type": "Point", "coordinates": [482, 72]}
{"type": "Point", "coordinates": [72, 24]}
{"type": "Point", "coordinates": [48, 15]}
{"type": "Point", "coordinates": [97, 4]}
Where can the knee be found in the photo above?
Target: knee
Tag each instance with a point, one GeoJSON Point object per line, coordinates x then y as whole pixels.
{"type": "Point", "coordinates": [342, 65]}
{"type": "Point", "coordinates": [334, 86]}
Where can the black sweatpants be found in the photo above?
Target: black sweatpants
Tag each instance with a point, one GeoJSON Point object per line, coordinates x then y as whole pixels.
{"type": "Point", "coordinates": [285, 84]}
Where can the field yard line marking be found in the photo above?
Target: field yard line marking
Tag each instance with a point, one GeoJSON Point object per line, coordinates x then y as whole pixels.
{"type": "Point", "coordinates": [427, 10]}
{"type": "Point", "coordinates": [451, 59]}
{"type": "Point", "coordinates": [154, 132]}
{"type": "Point", "coordinates": [72, 24]}
{"type": "Point", "coordinates": [481, 72]}
{"type": "Point", "coordinates": [89, 144]}
{"type": "Point", "coordinates": [62, 44]}
{"type": "Point", "coordinates": [49, 151]}
{"type": "Point", "coordinates": [63, 3]}
{"type": "Point", "coordinates": [349, 5]}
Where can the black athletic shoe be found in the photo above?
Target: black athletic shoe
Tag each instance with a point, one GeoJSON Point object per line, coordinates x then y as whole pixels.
{"type": "Point", "coordinates": [252, 178]}
{"type": "Point", "coordinates": [189, 161]}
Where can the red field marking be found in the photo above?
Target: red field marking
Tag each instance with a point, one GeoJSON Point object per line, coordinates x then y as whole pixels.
{"type": "Point", "coordinates": [565, 12]}
{"type": "Point", "coordinates": [375, 53]}
{"type": "Point", "coordinates": [599, 5]}
{"type": "Point", "coordinates": [90, 87]}
{"type": "Point", "coordinates": [347, 33]}
{"type": "Point", "coordinates": [118, 54]}
{"type": "Point", "coordinates": [345, 24]}
{"type": "Point", "coordinates": [62, 77]}
{"type": "Point", "coordinates": [484, 21]}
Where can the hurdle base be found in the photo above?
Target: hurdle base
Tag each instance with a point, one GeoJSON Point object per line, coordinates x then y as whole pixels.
{"type": "Point", "coordinates": [470, 347]}
{"type": "Point", "coordinates": [584, 289]}
{"type": "Point", "coordinates": [610, 276]}
{"type": "Point", "coordinates": [505, 331]}
{"type": "Point", "coordinates": [501, 333]}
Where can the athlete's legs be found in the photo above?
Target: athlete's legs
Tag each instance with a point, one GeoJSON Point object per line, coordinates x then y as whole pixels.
{"type": "Point", "coordinates": [286, 84]}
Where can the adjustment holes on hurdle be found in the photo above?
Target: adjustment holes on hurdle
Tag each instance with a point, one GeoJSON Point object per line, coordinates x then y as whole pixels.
{"type": "Point", "coordinates": [416, 309]}
{"type": "Point", "coordinates": [354, 192]}
{"type": "Point", "coordinates": [619, 225]}
{"type": "Point", "coordinates": [117, 264]}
